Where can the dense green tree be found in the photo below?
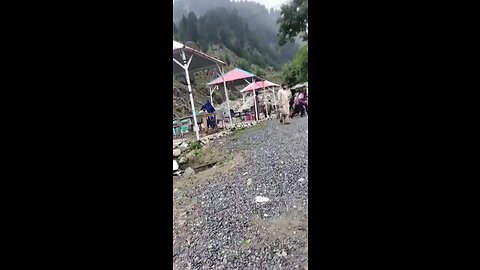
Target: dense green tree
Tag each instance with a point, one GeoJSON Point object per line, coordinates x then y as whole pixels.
{"type": "Point", "coordinates": [192, 27]}
{"type": "Point", "coordinates": [241, 27]}
{"type": "Point", "coordinates": [301, 61]}
{"type": "Point", "coordinates": [293, 21]}
{"type": "Point", "coordinates": [243, 64]}
{"type": "Point", "coordinates": [297, 70]}
{"type": "Point", "coordinates": [183, 30]}
{"type": "Point", "coordinates": [227, 59]}
{"type": "Point", "coordinates": [290, 74]}
{"type": "Point", "coordinates": [260, 72]}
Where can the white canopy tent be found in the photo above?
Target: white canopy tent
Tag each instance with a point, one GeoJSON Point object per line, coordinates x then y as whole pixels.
{"type": "Point", "coordinates": [300, 85]}
{"type": "Point", "coordinates": [306, 86]}
{"type": "Point", "coordinates": [197, 61]}
{"type": "Point", "coordinates": [259, 85]}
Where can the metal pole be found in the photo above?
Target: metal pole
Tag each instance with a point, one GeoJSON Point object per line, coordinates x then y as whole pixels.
{"type": "Point", "coordinates": [226, 96]}
{"type": "Point", "coordinates": [275, 100]}
{"type": "Point", "coordinates": [255, 100]}
{"type": "Point", "coordinates": [265, 101]}
{"type": "Point", "coordinates": [210, 91]}
{"type": "Point", "coordinates": [195, 127]}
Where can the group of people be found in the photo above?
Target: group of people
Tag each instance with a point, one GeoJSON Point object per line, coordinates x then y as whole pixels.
{"type": "Point", "coordinates": [297, 103]}
{"type": "Point", "coordinates": [262, 107]}
{"type": "Point", "coordinates": [289, 105]}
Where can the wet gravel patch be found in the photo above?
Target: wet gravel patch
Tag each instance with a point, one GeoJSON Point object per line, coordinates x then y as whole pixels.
{"type": "Point", "coordinates": [229, 229]}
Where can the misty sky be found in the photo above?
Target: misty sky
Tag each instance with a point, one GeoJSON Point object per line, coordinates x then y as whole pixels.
{"type": "Point", "coordinates": [270, 3]}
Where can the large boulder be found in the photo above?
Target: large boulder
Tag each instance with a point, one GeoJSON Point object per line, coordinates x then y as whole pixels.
{"type": "Point", "coordinates": [177, 152]}
{"type": "Point", "coordinates": [183, 146]}
{"type": "Point", "coordinates": [189, 172]}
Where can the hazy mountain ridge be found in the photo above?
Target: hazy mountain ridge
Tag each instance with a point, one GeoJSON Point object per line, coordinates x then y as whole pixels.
{"type": "Point", "coordinates": [243, 34]}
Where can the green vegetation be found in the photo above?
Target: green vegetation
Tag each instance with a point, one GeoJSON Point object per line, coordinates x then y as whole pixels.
{"type": "Point", "coordinates": [244, 35]}
{"type": "Point", "coordinates": [247, 29]}
{"type": "Point", "coordinates": [221, 26]}
{"type": "Point", "coordinates": [197, 145]}
{"type": "Point", "coordinates": [297, 70]}
{"type": "Point", "coordinates": [293, 21]}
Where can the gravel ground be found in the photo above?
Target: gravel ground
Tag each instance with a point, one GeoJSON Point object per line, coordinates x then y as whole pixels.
{"type": "Point", "coordinates": [225, 228]}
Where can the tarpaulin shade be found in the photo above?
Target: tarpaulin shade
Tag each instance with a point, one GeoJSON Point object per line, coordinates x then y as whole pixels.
{"type": "Point", "coordinates": [258, 85]}
{"type": "Point", "coordinates": [300, 85]}
{"type": "Point", "coordinates": [234, 75]}
{"type": "Point", "coordinates": [200, 60]}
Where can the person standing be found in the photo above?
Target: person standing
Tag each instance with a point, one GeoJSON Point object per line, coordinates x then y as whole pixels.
{"type": "Point", "coordinates": [306, 100]}
{"type": "Point", "coordinates": [284, 104]}
{"type": "Point", "coordinates": [300, 102]}
{"type": "Point", "coordinates": [293, 96]}
{"type": "Point", "coordinates": [208, 107]}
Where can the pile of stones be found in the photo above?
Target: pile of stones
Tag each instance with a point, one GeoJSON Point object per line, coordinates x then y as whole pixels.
{"type": "Point", "coordinates": [178, 149]}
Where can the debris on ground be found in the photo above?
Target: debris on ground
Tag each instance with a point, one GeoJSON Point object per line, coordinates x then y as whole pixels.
{"type": "Point", "coordinates": [261, 199]}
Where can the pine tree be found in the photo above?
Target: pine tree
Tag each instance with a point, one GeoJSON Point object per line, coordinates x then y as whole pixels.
{"type": "Point", "coordinates": [192, 26]}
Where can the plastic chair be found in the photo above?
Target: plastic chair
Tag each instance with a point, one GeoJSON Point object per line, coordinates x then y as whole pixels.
{"type": "Point", "coordinates": [176, 130]}
{"type": "Point", "coordinates": [185, 129]}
